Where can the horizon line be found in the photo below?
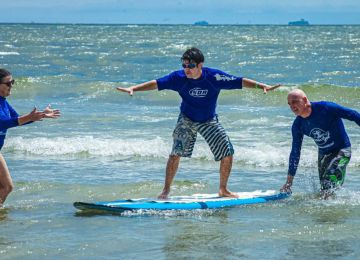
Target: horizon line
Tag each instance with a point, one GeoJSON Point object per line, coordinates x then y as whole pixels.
{"type": "Point", "coordinates": [192, 24]}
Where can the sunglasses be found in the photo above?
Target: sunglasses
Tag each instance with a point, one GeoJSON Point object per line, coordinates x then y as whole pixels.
{"type": "Point", "coordinates": [9, 83]}
{"type": "Point", "coordinates": [189, 66]}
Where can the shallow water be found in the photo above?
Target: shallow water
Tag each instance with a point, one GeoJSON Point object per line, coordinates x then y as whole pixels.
{"type": "Point", "coordinates": [108, 146]}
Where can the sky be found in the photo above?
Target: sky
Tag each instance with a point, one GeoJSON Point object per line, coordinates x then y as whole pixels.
{"type": "Point", "coordinates": [180, 11]}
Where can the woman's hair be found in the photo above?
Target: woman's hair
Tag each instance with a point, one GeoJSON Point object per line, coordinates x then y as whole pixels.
{"type": "Point", "coordinates": [4, 73]}
{"type": "Point", "coordinates": [193, 55]}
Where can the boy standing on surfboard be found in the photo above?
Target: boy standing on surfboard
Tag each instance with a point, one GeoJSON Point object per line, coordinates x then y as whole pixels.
{"type": "Point", "coordinates": [321, 121]}
{"type": "Point", "coordinates": [199, 88]}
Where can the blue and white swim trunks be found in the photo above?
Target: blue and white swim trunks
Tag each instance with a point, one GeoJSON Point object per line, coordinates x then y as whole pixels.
{"type": "Point", "coordinates": [185, 134]}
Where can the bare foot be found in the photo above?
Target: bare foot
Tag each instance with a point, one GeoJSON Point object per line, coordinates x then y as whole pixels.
{"type": "Point", "coordinates": [227, 193]}
{"type": "Point", "coordinates": [164, 195]}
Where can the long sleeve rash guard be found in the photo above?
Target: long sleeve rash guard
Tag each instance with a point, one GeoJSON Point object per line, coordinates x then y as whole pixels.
{"type": "Point", "coordinates": [8, 119]}
{"type": "Point", "coordinates": [199, 96]}
{"type": "Point", "coordinates": [325, 127]}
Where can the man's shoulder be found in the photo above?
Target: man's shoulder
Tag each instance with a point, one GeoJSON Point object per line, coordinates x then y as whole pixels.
{"type": "Point", "coordinates": [178, 74]}
{"type": "Point", "coordinates": [217, 75]}
{"type": "Point", "coordinates": [324, 105]}
{"type": "Point", "coordinates": [298, 122]}
{"type": "Point", "coordinates": [212, 71]}
{"type": "Point", "coordinates": [173, 76]}
{"type": "Point", "coordinates": [172, 81]}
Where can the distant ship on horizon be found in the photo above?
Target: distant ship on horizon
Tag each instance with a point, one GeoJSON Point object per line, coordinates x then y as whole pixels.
{"type": "Point", "coordinates": [301, 22]}
{"type": "Point", "coordinates": [201, 23]}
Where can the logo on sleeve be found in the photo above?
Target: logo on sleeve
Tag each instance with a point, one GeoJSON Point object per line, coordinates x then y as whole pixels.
{"type": "Point", "coordinates": [198, 92]}
{"type": "Point", "coordinates": [320, 136]}
{"type": "Point", "coordinates": [219, 77]}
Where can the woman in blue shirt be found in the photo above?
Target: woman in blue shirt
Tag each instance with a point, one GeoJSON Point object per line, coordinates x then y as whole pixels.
{"type": "Point", "coordinates": [10, 118]}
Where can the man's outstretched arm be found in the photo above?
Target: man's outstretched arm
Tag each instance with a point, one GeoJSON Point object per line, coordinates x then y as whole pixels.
{"type": "Point", "coordinates": [249, 83]}
{"type": "Point", "coordinates": [150, 85]}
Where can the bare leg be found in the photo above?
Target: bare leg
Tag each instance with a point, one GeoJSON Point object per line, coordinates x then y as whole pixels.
{"type": "Point", "coordinates": [6, 184]}
{"type": "Point", "coordinates": [225, 169]}
{"type": "Point", "coordinates": [171, 168]}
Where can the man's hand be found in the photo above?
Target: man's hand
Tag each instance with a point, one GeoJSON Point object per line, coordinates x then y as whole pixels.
{"type": "Point", "coordinates": [288, 184]}
{"type": "Point", "coordinates": [269, 88]}
{"type": "Point", "coordinates": [286, 188]}
{"type": "Point", "coordinates": [129, 90]}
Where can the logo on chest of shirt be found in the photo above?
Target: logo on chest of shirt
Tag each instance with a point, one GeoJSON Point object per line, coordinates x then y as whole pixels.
{"type": "Point", "coordinates": [320, 136]}
{"type": "Point", "coordinates": [198, 92]}
{"type": "Point", "coordinates": [219, 77]}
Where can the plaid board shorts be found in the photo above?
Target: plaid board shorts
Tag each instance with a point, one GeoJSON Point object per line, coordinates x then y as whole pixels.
{"type": "Point", "coordinates": [185, 134]}
{"type": "Point", "coordinates": [332, 168]}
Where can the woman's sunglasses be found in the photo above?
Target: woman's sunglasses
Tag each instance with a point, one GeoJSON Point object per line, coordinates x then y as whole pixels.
{"type": "Point", "coordinates": [9, 83]}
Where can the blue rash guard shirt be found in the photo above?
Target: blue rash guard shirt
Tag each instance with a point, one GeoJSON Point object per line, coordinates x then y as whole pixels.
{"type": "Point", "coordinates": [8, 119]}
{"type": "Point", "coordinates": [199, 96]}
{"type": "Point", "coordinates": [325, 126]}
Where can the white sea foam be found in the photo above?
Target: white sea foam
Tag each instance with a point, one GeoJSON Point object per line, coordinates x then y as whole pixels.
{"type": "Point", "coordinates": [275, 76]}
{"type": "Point", "coordinates": [337, 72]}
{"type": "Point", "coordinates": [261, 155]}
{"type": "Point", "coordinates": [34, 79]}
{"type": "Point", "coordinates": [175, 46]}
{"type": "Point", "coordinates": [4, 53]}
{"type": "Point", "coordinates": [89, 145]}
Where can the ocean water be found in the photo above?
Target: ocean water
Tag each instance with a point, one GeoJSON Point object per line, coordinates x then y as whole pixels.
{"type": "Point", "coordinates": [108, 145]}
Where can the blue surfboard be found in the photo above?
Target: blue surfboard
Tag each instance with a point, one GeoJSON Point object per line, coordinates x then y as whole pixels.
{"type": "Point", "coordinates": [196, 201]}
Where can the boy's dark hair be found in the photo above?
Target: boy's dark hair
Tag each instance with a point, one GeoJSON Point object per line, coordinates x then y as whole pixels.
{"type": "Point", "coordinates": [4, 73]}
{"type": "Point", "coordinates": [193, 55]}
